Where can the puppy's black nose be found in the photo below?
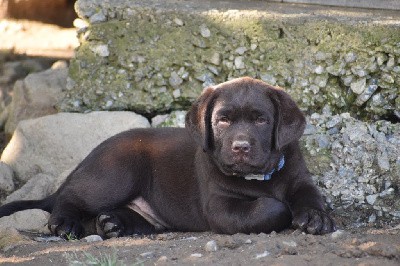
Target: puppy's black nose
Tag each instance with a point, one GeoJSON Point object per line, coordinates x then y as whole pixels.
{"type": "Point", "coordinates": [241, 146]}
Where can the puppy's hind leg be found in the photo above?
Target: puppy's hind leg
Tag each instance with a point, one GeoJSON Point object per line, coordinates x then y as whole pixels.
{"type": "Point", "coordinates": [122, 222]}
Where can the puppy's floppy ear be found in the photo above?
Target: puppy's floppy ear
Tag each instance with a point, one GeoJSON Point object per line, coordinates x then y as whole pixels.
{"type": "Point", "coordinates": [289, 120]}
{"type": "Point", "coordinates": [198, 119]}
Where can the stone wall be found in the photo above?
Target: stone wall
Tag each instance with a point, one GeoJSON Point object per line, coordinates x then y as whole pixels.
{"type": "Point", "coordinates": [156, 56]}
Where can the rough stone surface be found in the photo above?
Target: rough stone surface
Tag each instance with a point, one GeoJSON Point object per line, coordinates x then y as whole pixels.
{"type": "Point", "coordinates": [28, 220]}
{"type": "Point", "coordinates": [158, 47]}
{"type": "Point", "coordinates": [36, 96]}
{"type": "Point", "coordinates": [55, 143]}
{"type": "Point", "coordinates": [357, 166]}
{"type": "Point", "coordinates": [6, 179]}
{"type": "Point", "coordinates": [38, 187]}
{"type": "Point", "coordinates": [174, 119]}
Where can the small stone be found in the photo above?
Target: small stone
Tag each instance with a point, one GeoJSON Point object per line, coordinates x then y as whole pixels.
{"type": "Point", "coordinates": [383, 162]}
{"type": "Point", "coordinates": [241, 50]}
{"type": "Point", "coordinates": [371, 198]}
{"type": "Point", "coordinates": [358, 86]}
{"type": "Point", "coordinates": [93, 238]}
{"type": "Point", "coordinates": [253, 46]}
{"type": "Point", "coordinates": [148, 255]}
{"type": "Point", "coordinates": [178, 21]}
{"type": "Point", "coordinates": [320, 56]}
{"type": "Point", "coordinates": [372, 218]}
{"type": "Point", "coordinates": [176, 93]}
{"type": "Point", "coordinates": [350, 57]}
{"type": "Point", "coordinates": [215, 59]}
{"type": "Point", "coordinates": [262, 255]}
{"type": "Point", "coordinates": [268, 78]}
{"type": "Point", "coordinates": [337, 234]}
{"type": "Point", "coordinates": [163, 259]}
{"type": "Point", "coordinates": [319, 70]}
{"type": "Point", "coordinates": [97, 18]}
{"type": "Point", "coordinates": [387, 78]}
{"type": "Point", "coordinates": [363, 97]}
{"type": "Point", "coordinates": [333, 122]}
{"type": "Point", "coordinates": [175, 80]}
{"type": "Point", "coordinates": [248, 241]}
{"type": "Point", "coordinates": [211, 246]}
{"type": "Point", "coordinates": [49, 239]}
{"type": "Point", "coordinates": [239, 64]}
{"type": "Point", "coordinates": [101, 50]}
{"type": "Point", "coordinates": [196, 255]}
{"type": "Point", "coordinates": [205, 31]}
{"type": "Point", "coordinates": [290, 243]}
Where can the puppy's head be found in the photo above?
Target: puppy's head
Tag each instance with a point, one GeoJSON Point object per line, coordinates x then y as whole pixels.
{"type": "Point", "coordinates": [243, 124]}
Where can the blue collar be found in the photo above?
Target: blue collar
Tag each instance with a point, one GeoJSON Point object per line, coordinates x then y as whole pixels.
{"type": "Point", "coordinates": [268, 175]}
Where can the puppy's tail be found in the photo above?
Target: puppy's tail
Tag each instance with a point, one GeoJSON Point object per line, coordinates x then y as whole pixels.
{"type": "Point", "coordinates": [45, 204]}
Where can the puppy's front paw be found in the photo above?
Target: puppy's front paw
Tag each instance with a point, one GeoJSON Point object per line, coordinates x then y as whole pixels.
{"type": "Point", "coordinates": [313, 221]}
{"type": "Point", "coordinates": [65, 227]}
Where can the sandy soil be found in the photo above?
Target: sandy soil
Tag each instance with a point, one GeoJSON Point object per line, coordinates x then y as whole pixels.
{"type": "Point", "coordinates": [350, 247]}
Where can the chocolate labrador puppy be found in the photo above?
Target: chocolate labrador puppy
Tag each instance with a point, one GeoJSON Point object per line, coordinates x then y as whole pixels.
{"type": "Point", "coordinates": [236, 167]}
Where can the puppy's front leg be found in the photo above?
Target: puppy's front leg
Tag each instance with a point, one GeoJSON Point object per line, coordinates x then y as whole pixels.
{"type": "Point", "coordinates": [230, 215]}
{"type": "Point", "coordinates": [308, 210]}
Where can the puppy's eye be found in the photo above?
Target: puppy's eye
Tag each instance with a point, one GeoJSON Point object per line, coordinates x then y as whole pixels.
{"type": "Point", "coordinates": [261, 120]}
{"type": "Point", "coordinates": [224, 120]}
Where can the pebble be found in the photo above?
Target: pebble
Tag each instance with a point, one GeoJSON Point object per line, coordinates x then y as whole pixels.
{"type": "Point", "coordinates": [337, 234]}
{"type": "Point", "coordinates": [49, 239]}
{"type": "Point", "coordinates": [196, 255]}
{"type": "Point", "coordinates": [205, 31]}
{"type": "Point", "coordinates": [211, 246]}
{"type": "Point", "coordinates": [93, 238]}
{"type": "Point", "coordinates": [290, 243]}
{"type": "Point", "coordinates": [262, 255]}
{"type": "Point", "coordinates": [149, 254]}
{"type": "Point", "coordinates": [241, 50]}
{"type": "Point", "coordinates": [178, 21]}
{"type": "Point", "coordinates": [97, 18]}
{"type": "Point", "coordinates": [358, 86]}
{"type": "Point", "coordinates": [100, 49]}
{"type": "Point", "coordinates": [239, 63]}
{"type": "Point", "coordinates": [175, 80]}
{"type": "Point", "coordinates": [163, 259]}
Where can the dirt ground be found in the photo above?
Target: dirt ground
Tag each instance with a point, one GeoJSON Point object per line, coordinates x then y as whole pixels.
{"type": "Point", "coordinates": [362, 246]}
{"type": "Point", "coordinates": [349, 247]}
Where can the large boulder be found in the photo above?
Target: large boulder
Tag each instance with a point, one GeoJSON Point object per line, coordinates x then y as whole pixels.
{"type": "Point", "coordinates": [154, 56]}
{"type": "Point", "coordinates": [55, 143]}
{"type": "Point", "coordinates": [36, 95]}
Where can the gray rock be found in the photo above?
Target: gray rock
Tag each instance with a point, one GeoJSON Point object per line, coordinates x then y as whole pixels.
{"type": "Point", "coordinates": [36, 188]}
{"type": "Point", "coordinates": [100, 50]}
{"type": "Point", "coordinates": [93, 238]}
{"type": "Point", "coordinates": [337, 234]}
{"type": "Point", "coordinates": [205, 31]}
{"type": "Point", "coordinates": [36, 96]}
{"type": "Point", "coordinates": [358, 86]}
{"type": "Point", "coordinates": [98, 17]}
{"type": "Point", "coordinates": [174, 119]}
{"type": "Point", "coordinates": [262, 255]}
{"type": "Point", "coordinates": [175, 80]}
{"type": "Point", "coordinates": [28, 220]}
{"type": "Point", "coordinates": [211, 246]}
{"type": "Point", "coordinates": [239, 63]}
{"type": "Point", "coordinates": [6, 179]}
{"type": "Point", "coordinates": [48, 239]}
{"type": "Point", "coordinates": [55, 143]}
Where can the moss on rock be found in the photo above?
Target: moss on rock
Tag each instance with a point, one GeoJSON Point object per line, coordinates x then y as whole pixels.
{"type": "Point", "coordinates": [153, 59]}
